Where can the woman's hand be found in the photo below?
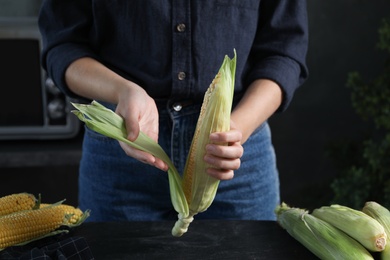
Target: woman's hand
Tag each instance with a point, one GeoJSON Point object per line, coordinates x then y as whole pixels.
{"type": "Point", "coordinates": [140, 114]}
{"type": "Point", "coordinates": [224, 160]}
{"type": "Point", "coordinates": [261, 100]}
{"type": "Point", "coordinates": [89, 78]}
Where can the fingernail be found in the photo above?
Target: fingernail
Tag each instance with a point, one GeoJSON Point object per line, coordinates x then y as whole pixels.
{"type": "Point", "coordinates": [163, 168]}
{"type": "Point", "coordinates": [209, 148]}
{"type": "Point", "coordinates": [131, 136]}
{"type": "Point", "coordinates": [213, 136]}
{"type": "Point", "coordinates": [207, 159]}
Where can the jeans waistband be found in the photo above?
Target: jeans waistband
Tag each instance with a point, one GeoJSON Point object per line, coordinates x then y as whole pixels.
{"type": "Point", "coordinates": [176, 105]}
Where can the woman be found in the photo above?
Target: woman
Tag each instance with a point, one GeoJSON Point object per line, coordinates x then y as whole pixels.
{"type": "Point", "coordinates": [151, 62]}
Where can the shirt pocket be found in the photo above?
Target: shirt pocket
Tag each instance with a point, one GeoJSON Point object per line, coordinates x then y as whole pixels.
{"type": "Point", "coordinates": [246, 4]}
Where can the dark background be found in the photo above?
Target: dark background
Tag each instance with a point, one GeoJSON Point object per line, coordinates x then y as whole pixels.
{"type": "Point", "coordinates": [343, 36]}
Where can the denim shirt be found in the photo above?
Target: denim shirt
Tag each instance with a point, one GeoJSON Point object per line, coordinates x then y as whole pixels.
{"type": "Point", "coordinates": [173, 49]}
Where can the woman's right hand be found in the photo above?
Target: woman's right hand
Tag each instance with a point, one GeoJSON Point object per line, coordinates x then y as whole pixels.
{"type": "Point", "coordinates": [89, 78]}
{"type": "Point", "coordinates": [140, 114]}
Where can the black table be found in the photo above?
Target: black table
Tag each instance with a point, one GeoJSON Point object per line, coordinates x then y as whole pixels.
{"type": "Point", "coordinates": [205, 239]}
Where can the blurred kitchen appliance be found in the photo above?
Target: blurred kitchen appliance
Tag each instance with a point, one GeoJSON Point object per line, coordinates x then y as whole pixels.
{"type": "Point", "coordinates": [31, 106]}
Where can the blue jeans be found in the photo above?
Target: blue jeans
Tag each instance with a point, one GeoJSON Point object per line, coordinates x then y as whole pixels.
{"type": "Point", "coordinates": [116, 187]}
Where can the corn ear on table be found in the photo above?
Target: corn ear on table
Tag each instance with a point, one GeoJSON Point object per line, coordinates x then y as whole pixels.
{"type": "Point", "coordinates": [23, 219]}
{"type": "Point", "coordinates": [208, 239]}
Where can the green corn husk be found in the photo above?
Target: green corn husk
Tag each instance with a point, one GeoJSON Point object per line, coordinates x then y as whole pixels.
{"type": "Point", "coordinates": [106, 122]}
{"type": "Point", "coordinates": [199, 187]}
{"type": "Point", "coordinates": [321, 238]}
{"type": "Point", "coordinates": [382, 215]}
{"type": "Point", "coordinates": [368, 231]}
{"type": "Point", "coordinates": [194, 192]}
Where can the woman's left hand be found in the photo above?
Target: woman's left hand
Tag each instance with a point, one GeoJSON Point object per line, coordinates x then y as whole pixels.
{"type": "Point", "coordinates": [224, 159]}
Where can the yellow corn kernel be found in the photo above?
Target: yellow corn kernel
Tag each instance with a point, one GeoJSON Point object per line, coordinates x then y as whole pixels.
{"type": "Point", "coordinates": [73, 215]}
{"type": "Point", "coordinates": [321, 238]}
{"type": "Point", "coordinates": [195, 169]}
{"type": "Point", "coordinates": [16, 202]}
{"type": "Point", "coordinates": [365, 229]}
{"type": "Point", "coordinates": [24, 226]}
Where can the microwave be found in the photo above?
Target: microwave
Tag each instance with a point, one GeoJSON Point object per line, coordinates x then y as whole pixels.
{"type": "Point", "coordinates": [31, 106]}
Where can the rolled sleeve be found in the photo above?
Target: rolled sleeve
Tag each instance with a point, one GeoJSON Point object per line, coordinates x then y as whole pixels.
{"type": "Point", "coordinates": [65, 37]}
{"type": "Point", "coordinates": [280, 47]}
{"type": "Point", "coordinates": [59, 59]}
{"type": "Point", "coordinates": [282, 70]}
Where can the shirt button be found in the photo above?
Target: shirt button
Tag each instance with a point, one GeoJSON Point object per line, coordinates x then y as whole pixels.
{"type": "Point", "coordinates": [181, 75]}
{"type": "Point", "coordinates": [177, 107]}
{"type": "Point", "coordinates": [181, 27]}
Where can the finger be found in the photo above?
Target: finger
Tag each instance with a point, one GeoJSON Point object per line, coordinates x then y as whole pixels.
{"type": "Point", "coordinates": [131, 124]}
{"type": "Point", "coordinates": [144, 157]}
{"type": "Point", "coordinates": [222, 163]}
{"type": "Point", "coordinates": [230, 152]}
{"type": "Point", "coordinates": [138, 154]}
{"type": "Point", "coordinates": [231, 136]}
{"type": "Point", "coordinates": [220, 174]}
{"type": "Point", "coordinates": [160, 164]}
{"type": "Point", "coordinates": [132, 128]}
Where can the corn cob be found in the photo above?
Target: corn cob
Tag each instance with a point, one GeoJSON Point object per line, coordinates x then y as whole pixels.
{"type": "Point", "coordinates": [74, 215]}
{"type": "Point", "coordinates": [17, 202]}
{"type": "Point", "coordinates": [321, 238]}
{"type": "Point", "coordinates": [200, 188]}
{"type": "Point", "coordinates": [382, 214]}
{"type": "Point", "coordinates": [196, 190]}
{"type": "Point", "coordinates": [25, 226]}
{"type": "Point", "coordinates": [368, 231]}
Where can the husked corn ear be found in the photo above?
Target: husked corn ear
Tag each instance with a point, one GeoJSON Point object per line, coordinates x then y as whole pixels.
{"type": "Point", "coordinates": [382, 215]}
{"type": "Point", "coordinates": [17, 202]}
{"type": "Point", "coordinates": [73, 215]}
{"type": "Point", "coordinates": [321, 238]}
{"type": "Point", "coordinates": [368, 231]}
{"type": "Point", "coordinates": [25, 226]}
{"type": "Point", "coordinates": [199, 187]}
